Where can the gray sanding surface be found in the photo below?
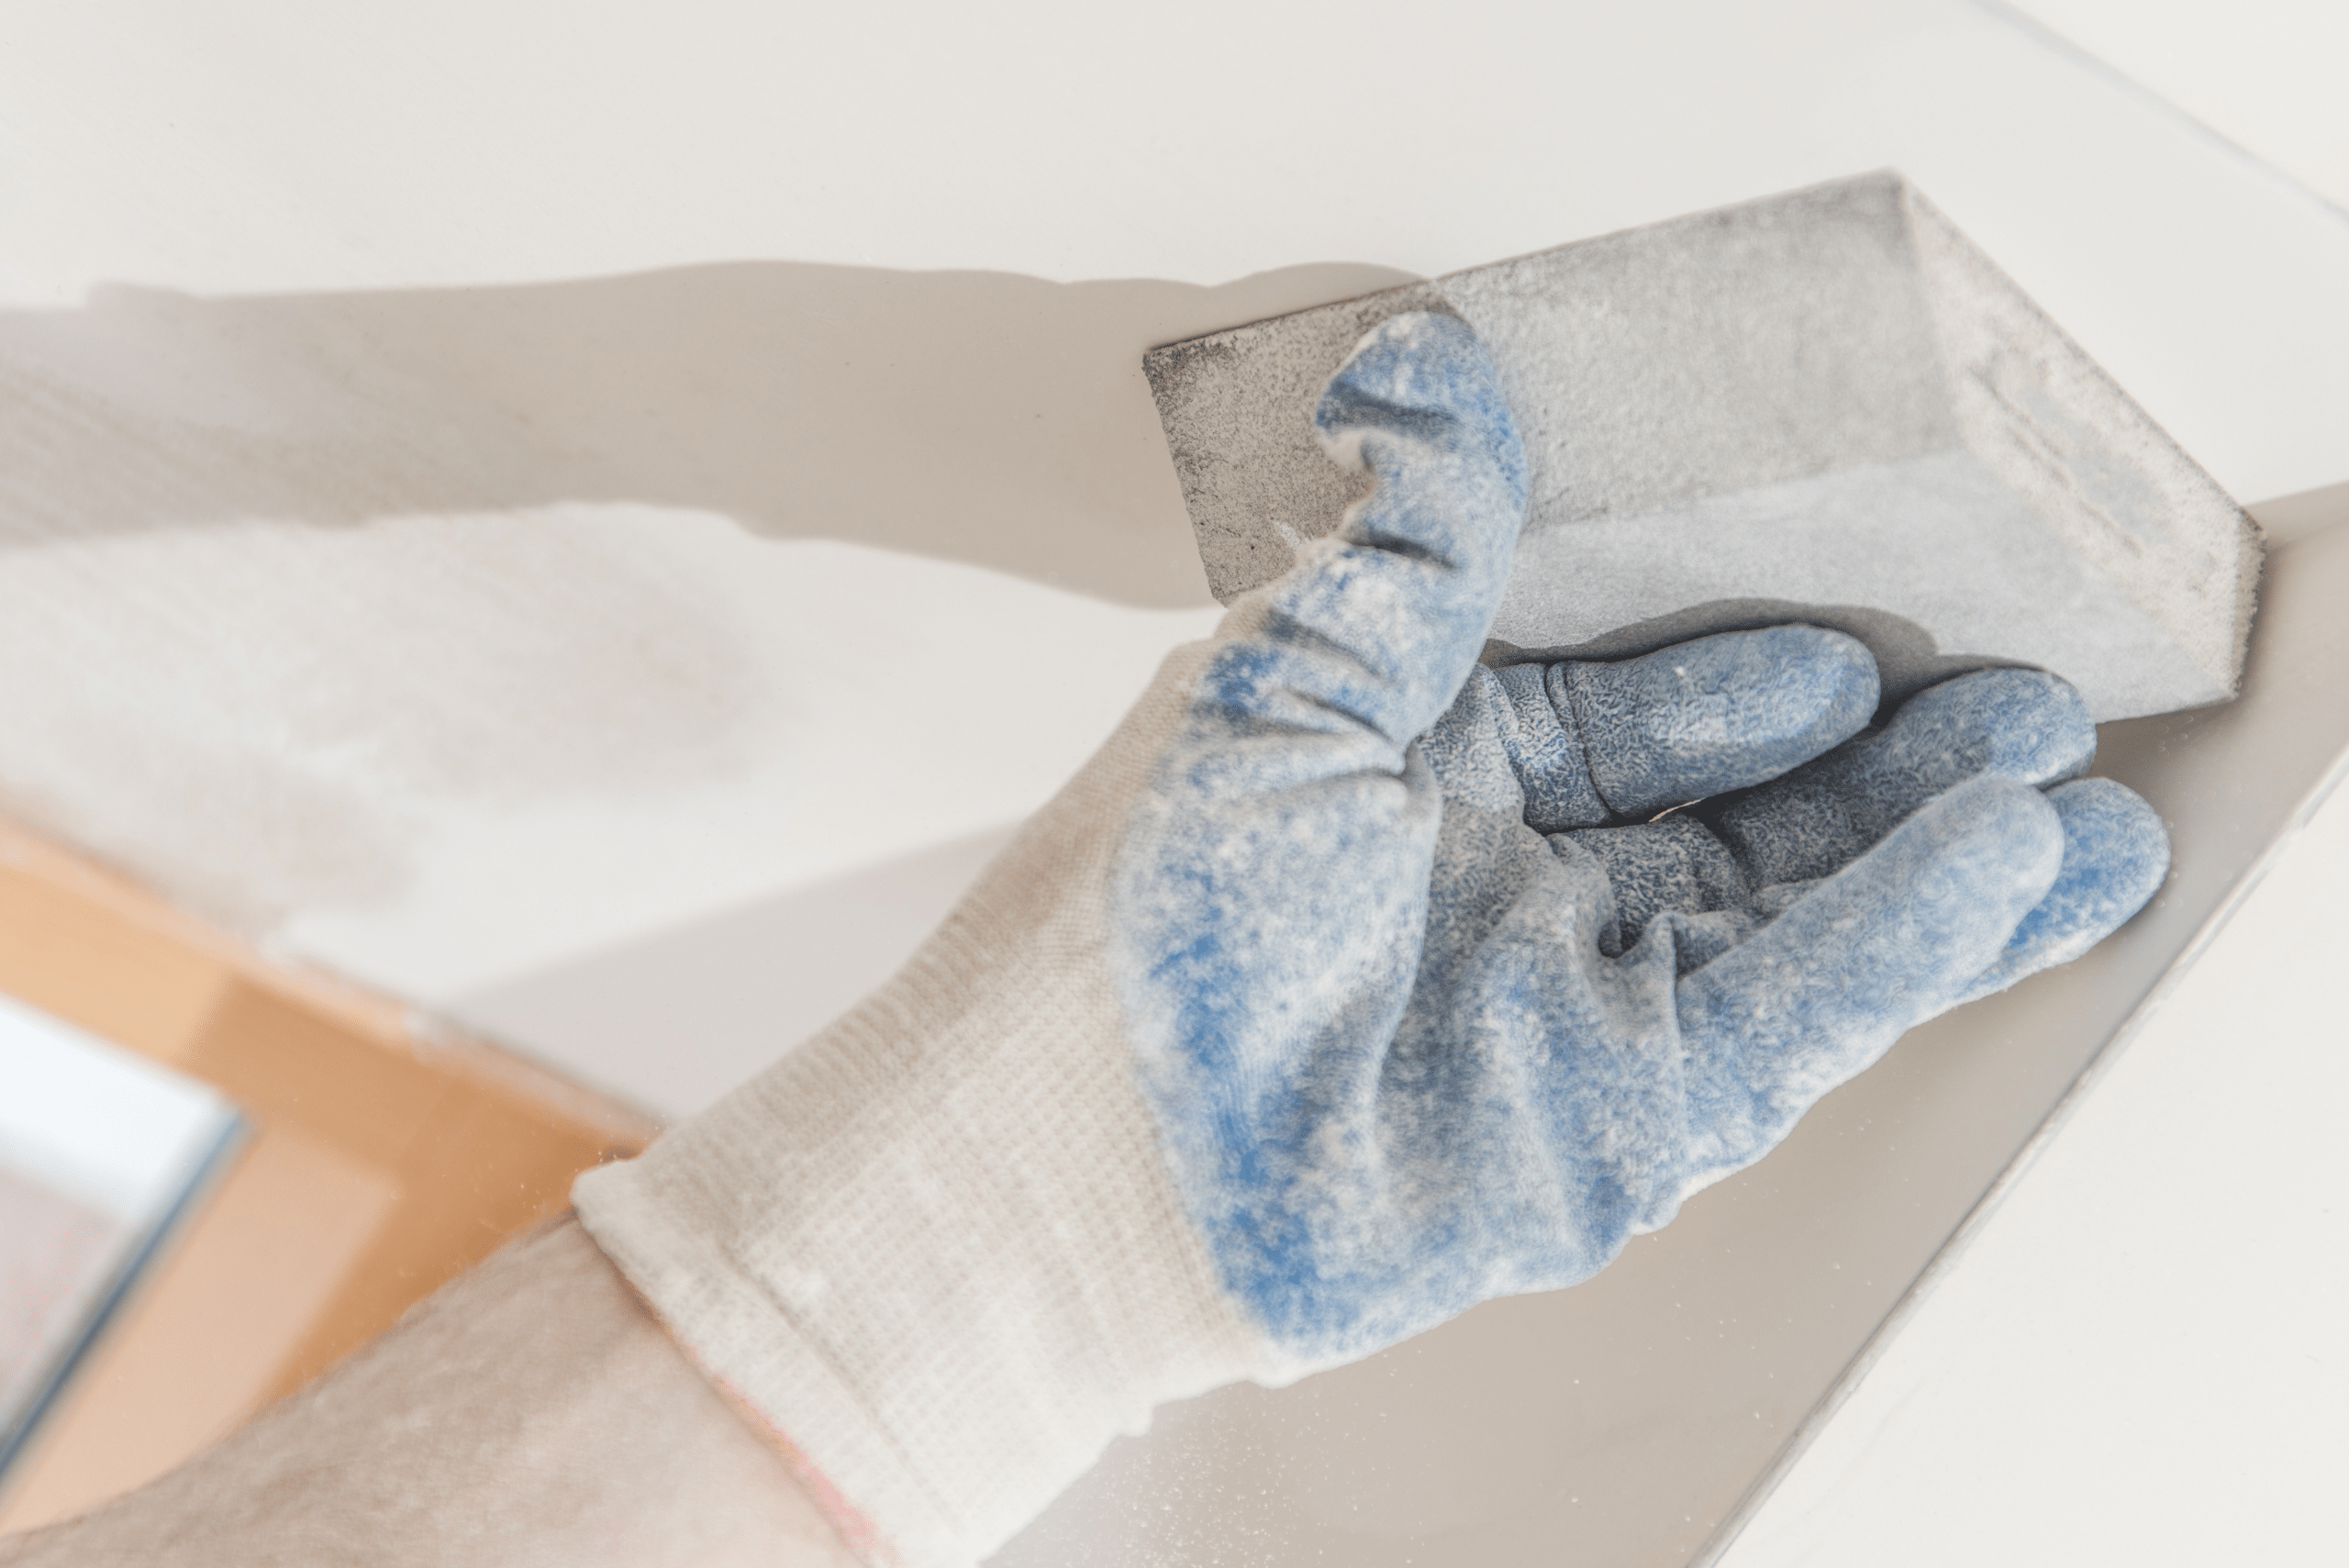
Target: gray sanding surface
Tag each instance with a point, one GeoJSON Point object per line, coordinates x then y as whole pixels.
{"type": "Point", "coordinates": [1826, 407]}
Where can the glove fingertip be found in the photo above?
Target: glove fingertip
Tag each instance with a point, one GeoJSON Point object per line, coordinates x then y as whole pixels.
{"type": "Point", "coordinates": [1424, 375]}
{"type": "Point", "coordinates": [2029, 725]}
{"type": "Point", "coordinates": [1371, 630]}
{"type": "Point", "coordinates": [2116, 856]}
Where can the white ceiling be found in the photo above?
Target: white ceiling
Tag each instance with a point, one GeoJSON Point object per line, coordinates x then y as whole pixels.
{"type": "Point", "coordinates": [361, 485]}
{"type": "Point", "coordinates": [2266, 74]}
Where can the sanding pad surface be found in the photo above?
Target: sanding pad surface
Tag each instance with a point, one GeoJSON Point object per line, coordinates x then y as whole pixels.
{"type": "Point", "coordinates": [1826, 407]}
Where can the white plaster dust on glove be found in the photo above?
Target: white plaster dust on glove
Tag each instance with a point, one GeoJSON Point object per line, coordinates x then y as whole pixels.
{"type": "Point", "coordinates": [1285, 1030]}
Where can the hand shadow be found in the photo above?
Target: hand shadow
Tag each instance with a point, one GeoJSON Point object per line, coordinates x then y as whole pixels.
{"type": "Point", "coordinates": [356, 601]}
{"type": "Point", "coordinates": [980, 416]}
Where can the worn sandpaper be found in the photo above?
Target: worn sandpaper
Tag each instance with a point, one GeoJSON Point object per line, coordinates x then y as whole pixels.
{"type": "Point", "coordinates": [1827, 407]}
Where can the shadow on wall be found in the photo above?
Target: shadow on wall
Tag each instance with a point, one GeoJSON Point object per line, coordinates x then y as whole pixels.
{"type": "Point", "coordinates": [726, 993]}
{"type": "Point", "coordinates": [320, 587]}
{"type": "Point", "coordinates": [979, 417]}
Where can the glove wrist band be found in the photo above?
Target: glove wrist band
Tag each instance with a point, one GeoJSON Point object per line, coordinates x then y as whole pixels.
{"type": "Point", "coordinates": [935, 1248]}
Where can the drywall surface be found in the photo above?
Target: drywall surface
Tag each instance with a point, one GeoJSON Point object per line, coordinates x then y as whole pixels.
{"type": "Point", "coordinates": [393, 744]}
{"type": "Point", "coordinates": [2138, 1359]}
{"type": "Point", "coordinates": [263, 147]}
{"type": "Point", "coordinates": [464, 531]}
{"type": "Point", "coordinates": [2266, 74]}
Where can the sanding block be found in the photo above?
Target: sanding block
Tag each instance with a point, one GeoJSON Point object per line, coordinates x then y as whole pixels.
{"type": "Point", "coordinates": [1825, 406]}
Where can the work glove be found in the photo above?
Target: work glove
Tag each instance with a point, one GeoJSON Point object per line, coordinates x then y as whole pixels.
{"type": "Point", "coordinates": [1350, 985]}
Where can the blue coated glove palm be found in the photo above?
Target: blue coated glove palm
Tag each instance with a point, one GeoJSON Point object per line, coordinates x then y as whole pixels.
{"type": "Point", "coordinates": [1426, 1008]}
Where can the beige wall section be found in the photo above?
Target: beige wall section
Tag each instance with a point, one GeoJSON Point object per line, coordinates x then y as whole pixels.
{"type": "Point", "coordinates": [378, 1165]}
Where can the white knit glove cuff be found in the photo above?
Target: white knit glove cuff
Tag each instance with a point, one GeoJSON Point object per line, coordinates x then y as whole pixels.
{"type": "Point", "coordinates": [935, 1248]}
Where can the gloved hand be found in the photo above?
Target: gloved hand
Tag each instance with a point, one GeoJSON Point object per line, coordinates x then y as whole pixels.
{"type": "Point", "coordinates": [1345, 988]}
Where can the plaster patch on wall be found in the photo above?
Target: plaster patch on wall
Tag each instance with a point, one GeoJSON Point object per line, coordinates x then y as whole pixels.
{"type": "Point", "coordinates": [437, 635]}
{"type": "Point", "coordinates": [262, 717]}
{"type": "Point", "coordinates": [901, 702]}
{"type": "Point", "coordinates": [432, 751]}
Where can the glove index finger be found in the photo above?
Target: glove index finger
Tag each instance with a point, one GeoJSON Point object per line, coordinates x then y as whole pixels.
{"type": "Point", "coordinates": [1380, 623]}
{"type": "Point", "coordinates": [1716, 713]}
